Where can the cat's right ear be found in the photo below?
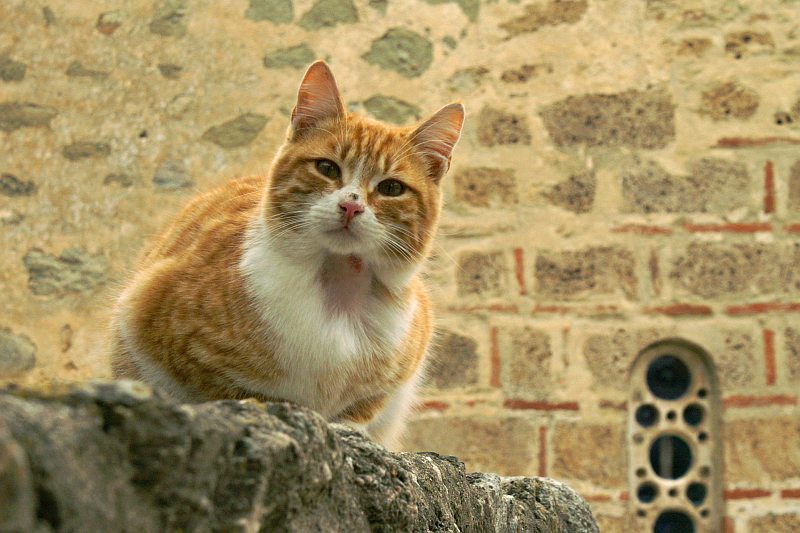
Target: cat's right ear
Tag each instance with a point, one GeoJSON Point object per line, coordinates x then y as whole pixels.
{"type": "Point", "coordinates": [318, 99]}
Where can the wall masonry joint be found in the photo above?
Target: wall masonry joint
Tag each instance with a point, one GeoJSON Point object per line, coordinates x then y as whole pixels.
{"type": "Point", "coordinates": [760, 401]}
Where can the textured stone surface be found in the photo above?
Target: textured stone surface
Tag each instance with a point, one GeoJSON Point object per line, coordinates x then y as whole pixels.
{"type": "Point", "coordinates": [11, 70]}
{"type": "Point", "coordinates": [15, 115]}
{"type": "Point", "coordinates": [170, 71]}
{"type": "Point", "coordinates": [741, 43]}
{"type": "Point", "coordinates": [18, 507]}
{"type": "Point", "coordinates": [792, 355]}
{"type": "Point", "coordinates": [404, 51]}
{"type": "Point", "coordinates": [86, 149]}
{"type": "Point", "coordinates": [639, 119]}
{"type": "Point", "coordinates": [482, 274]}
{"type": "Point", "coordinates": [504, 446]}
{"type": "Point", "coordinates": [548, 13]}
{"type": "Point", "coordinates": [729, 100]}
{"type": "Point", "coordinates": [11, 185]}
{"type": "Point", "coordinates": [328, 13]}
{"type": "Point", "coordinates": [471, 8]}
{"type": "Point", "coordinates": [467, 80]}
{"type": "Point", "coordinates": [391, 109]}
{"type": "Point", "coordinates": [500, 127]}
{"type": "Point", "coordinates": [454, 361]}
{"type": "Point", "coordinates": [745, 441]}
{"type": "Point", "coordinates": [17, 353]}
{"type": "Point", "coordinates": [107, 457]}
{"type": "Point", "coordinates": [171, 175]}
{"type": "Point", "coordinates": [575, 194]}
{"type": "Point", "coordinates": [693, 46]}
{"type": "Point", "coordinates": [592, 271]}
{"type": "Point", "coordinates": [170, 19]}
{"type": "Point", "coordinates": [74, 271]}
{"type": "Point", "coordinates": [109, 22]}
{"type": "Point", "coordinates": [712, 185]}
{"type": "Point", "coordinates": [236, 132]}
{"type": "Point", "coordinates": [609, 356]}
{"type": "Point", "coordinates": [299, 56]}
{"type": "Point", "coordinates": [738, 364]}
{"type": "Point", "coordinates": [526, 72]}
{"type": "Point", "coordinates": [76, 69]}
{"type": "Point", "coordinates": [277, 11]}
{"type": "Point", "coordinates": [526, 356]}
{"type": "Point", "coordinates": [603, 464]}
{"type": "Point", "coordinates": [794, 187]}
{"type": "Point", "coordinates": [485, 186]}
{"type": "Point", "coordinates": [775, 523]}
{"type": "Point", "coordinates": [714, 270]}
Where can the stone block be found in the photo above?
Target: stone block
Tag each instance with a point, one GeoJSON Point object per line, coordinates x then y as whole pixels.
{"type": "Point", "coordinates": [526, 72]}
{"type": "Point", "coordinates": [714, 270]}
{"type": "Point", "coordinates": [609, 356]}
{"type": "Point", "coordinates": [503, 445]}
{"type": "Point", "coordinates": [470, 8]}
{"type": "Point", "coordinates": [85, 149]}
{"type": "Point", "coordinates": [391, 109]}
{"type": "Point", "coordinates": [747, 444]}
{"type": "Point", "coordinates": [638, 119]}
{"type": "Point", "coordinates": [575, 194]}
{"type": "Point", "coordinates": [593, 271]}
{"type": "Point", "coordinates": [794, 188]}
{"type": "Point", "coordinates": [482, 274]}
{"type": "Point", "coordinates": [485, 186]}
{"type": "Point", "coordinates": [76, 69]}
{"type": "Point", "coordinates": [329, 13]}
{"type": "Point", "coordinates": [496, 127]}
{"type": "Point", "coordinates": [775, 523]}
{"type": "Point", "coordinates": [236, 132]}
{"type": "Point", "coordinates": [525, 358]}
{"type": "Point", "coordinates": [11, 185]}
{"type": "Point", "coordinates": [170, 19]}
{"type": "Point", "coordinates": [729, 100]}
{"type": "Point", "coordinates": [615, 524]}
{"type": "Point", "coordinates": [693, 46]}
{"type": "Point", "coordinates": [741, 43]}
{"type": "Point", "coordinates": [15, 115]}
{"type": "Point", "coordinates": [467, 79]}
{"type": "Point", "coordinates": [453, 362]}
{"type": "Point", "coordinates": [11, 70]}
{"type": "Point", "coordinates": [406, 52]}
{"type": "Point", "coordinates": [792, 355]}
{"type": "Point", "coordinates": [550, 13]}
{"type": "Point", "coordinates": [590, 453]}
{"type": "Point", "coordinates": [299, 56]}
{"type": "Point", "coordinates": [739, 364]}
{"type": "Point", "coordinates": [277, 11]}
{"type": "Point", "coordinates": [17, 352]}
{"type": "Point", "coordinates": [712, 185]}
{"type": "Point", "coordinates": [73, 271]}
{"type": "Point", "coordinates": [171, 175]}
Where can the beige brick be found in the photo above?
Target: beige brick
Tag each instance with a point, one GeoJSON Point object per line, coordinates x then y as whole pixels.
{"type": "Point", "coordinates": [525, 356]}
{"type": "Point", "coordinates": [591, 271]}
{"type": "Point", "coordinates": [793, 355]}
{"type": "Point", "coordinates": [497, 127]}
{"type": "Point", "coordinates": [729, 100]}
{"type": "Point", "coordinates": [590, 453]}
{"type": "Point", "coordinates": [739, 364]}
{"type": "Point", "coordinates": [504, 445]}
{"type": "Point", "coordinates": [454, 361]}
{"type": "Point", "coordinates": [483, 274]}
{"type": "Point", "coordinates": [575, 194]}
{"type": "Point", "coordinates": [609, 356]}
{"type": "Point", "coordinates": [794, 184]}
{"type": "Point", "coordinates": [615, 524]}
{"type": "Point", "coordinates": [775, 523]}
{"type": "Point", "coordinates": [485, 186]}
{"type": "Point", "coordinates": [762, 450]}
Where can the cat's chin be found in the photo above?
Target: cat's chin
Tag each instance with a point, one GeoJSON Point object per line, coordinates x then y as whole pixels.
{"type": "Point", "coordinates": [343, 241]}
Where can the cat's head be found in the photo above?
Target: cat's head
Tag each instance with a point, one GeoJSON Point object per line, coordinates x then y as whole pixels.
{"type": "Point", "coordinates": [350, 185]}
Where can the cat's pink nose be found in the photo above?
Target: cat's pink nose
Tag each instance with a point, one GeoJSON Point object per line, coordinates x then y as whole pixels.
{"type": "Point", "coordinates": [350, 209]}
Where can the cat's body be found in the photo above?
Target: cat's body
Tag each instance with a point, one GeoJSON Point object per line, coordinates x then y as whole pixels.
{"type": "Point", "coordinates": [301, 286]}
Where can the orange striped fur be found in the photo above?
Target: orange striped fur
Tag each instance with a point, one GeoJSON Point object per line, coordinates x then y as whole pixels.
{"type": "Point", "coordinates": [304, 285]}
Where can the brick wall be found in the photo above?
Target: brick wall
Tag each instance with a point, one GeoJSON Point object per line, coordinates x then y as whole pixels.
{"type": "Point", "coordinates": [630, 170]}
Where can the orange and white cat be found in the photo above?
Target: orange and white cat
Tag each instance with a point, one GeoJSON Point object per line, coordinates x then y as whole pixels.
{"type": "Point", "coordinates": [303, 285]}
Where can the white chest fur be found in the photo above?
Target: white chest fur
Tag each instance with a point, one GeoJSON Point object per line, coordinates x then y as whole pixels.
{"type": "Point", "coordinates": [299, 306]}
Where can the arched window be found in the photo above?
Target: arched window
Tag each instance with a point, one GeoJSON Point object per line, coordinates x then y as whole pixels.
{"type": "Point", "coordinates": [673, 431]}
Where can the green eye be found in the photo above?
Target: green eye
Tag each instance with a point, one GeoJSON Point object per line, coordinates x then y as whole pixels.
{"type": "Point", "coordinates": [329, 169]}
{"type": "Point", "coordinates": [391, 188]}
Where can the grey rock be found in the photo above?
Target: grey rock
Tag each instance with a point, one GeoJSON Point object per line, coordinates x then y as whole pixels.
{"type": "Point", "coordinates": [109, 22]}
{"type": "Point", "coordinates": [73, 271]}
{"type": "Point", "coordinates": [171, 175]}
{"type": "Point", "coordinates": [298, 56]}
{"type": "Point", "coordinates": [170, 71]}
{"type": "Point", "coordinates": [170, 19]}
{"type": "Point", "coordinates": [15, 115]}
{"type": "Point", "coordinates": [17, 512]}
{"type": "Point", "coordinates": [277, 11]}
{"type": "Point", "coordinates": [236, 132]}
{"type": "Point", "coordinates": [379, 5]}
{"type": "Point", "coordinates": [404, 51]}
{"type": "Point", "coordinates": [17, 354]}
{"type": "Point", "coordinates": [85, 149]}
{"type": "Point", "coordinates": [329, 13]}
{"type": "Point", "coordinates": [76, 69]}
{"type": "Point", "coordinates": [11, 70]}
{"type": "Point", "coordinates": [113, 457]}
{"type": "Point", "coordinates": [11, 185]}
{"type": "Point", "coordinates": [391, 109]}
{"type": "Point", "coordinates": [123, 180]}
{"type": "Point", "coordinates": [49, 16]}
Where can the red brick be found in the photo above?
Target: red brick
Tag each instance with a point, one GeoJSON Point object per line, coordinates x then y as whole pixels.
{"type": "Point", "coordinates": [624, 496]}
{"type": "Point", "coordinates": [519, 265]}
{"type": "Point", "coordinates": [763, 307]}
{"type": "Point", "coordinates": [728, 525]}
{"type": "Point", "coordinates": [681, 310]}
{"type": "Point", "coordinates": [597, 498]}
{"type": "Point", "coordinates": [769, 187]}
{"type": "Point", "coordinates": [494, 308]}
{"type": "Point", "coordinates": [543, 451]}
{"type": "Point", "coordinates": [760, 401]}
{"type": "Point", "coordinates": [732, 227]}
{"type": "Point", "coordinates": [746, 494]}
{"type": "Point", "coordinates": [655, 272]}
{"type": "Point", "coordinates": [642, 229]}
{"type": "Point", "coordinates": [540, 405]}
{"type": "Point", "coordinates": [769, 356]}
{"type": "Point", "coordinates": [494, 379]}
{"type": "Point", "coordinates": [433, 405]}
{"type": "Point", "coordinates": [790, 493]}
{"type": "Point", "coordinates": [792, 228]}
{"type": "Point", "coordinates": [746, 142]}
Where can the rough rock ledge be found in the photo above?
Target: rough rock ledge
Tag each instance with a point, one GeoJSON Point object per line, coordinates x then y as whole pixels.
{"type": "Point", "coordinates": [115, 457]}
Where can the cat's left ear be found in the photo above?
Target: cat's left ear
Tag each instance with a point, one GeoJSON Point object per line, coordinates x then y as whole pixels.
{"type": "Point", "coordinates": [436, 138]}
{"type": "Point", "coordinates": [318, 99]}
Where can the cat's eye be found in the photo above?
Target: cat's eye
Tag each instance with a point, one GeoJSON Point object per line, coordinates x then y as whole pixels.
{"type": "Point", "coordinates": [329, 169]}
{"type": "Point", "coordinates": [391, 188]}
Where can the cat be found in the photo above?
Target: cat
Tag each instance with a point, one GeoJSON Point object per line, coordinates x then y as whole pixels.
{"type": "Point", "coordinates": [304, 285]}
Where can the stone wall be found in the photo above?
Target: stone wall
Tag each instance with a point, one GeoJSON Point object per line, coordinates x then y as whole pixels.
{"type": "Point", "coordinates": [630, 170]}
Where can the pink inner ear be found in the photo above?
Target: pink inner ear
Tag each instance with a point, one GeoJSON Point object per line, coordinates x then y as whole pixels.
{"type": "Point", "coordinates": [318, 98]}
{"type": "Point", "coordinates": [438, 135]}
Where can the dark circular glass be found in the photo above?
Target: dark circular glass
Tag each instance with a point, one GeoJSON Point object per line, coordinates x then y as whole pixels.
{"type": "Point", "coordinates": [693, 414]}
{"type": "Point", "coordinates": [705, 471]}
{"type": "Point", "coordinates": [329, 169]}
{"type": "Point", "coordinates": [670, 456]}
{"type": "Point", "coordinates": [673, 522]}
{"type": "Point", "coordinates": [702, 436]}
{"type": "Point", "coordinates": [668, 377]}
{"type": "Point", "coordinates": [646, 415]}
{"type": "Point", "coordinates": [704, 513]}
{"type": "Point", "coordinates": [647, 492]}
{"type": "Point", "coordinates": [671, 415]}
{"type": "Point", "coordinates": [702, 393]}
{"type": "Point", "coordinates": [391, 188]}
{"type": "Point", "coordinates": [673, 492]}
{"type": "Point", "coordinates": [641, 472]}
{"type": "Point", "coordinates": [696, 493]}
